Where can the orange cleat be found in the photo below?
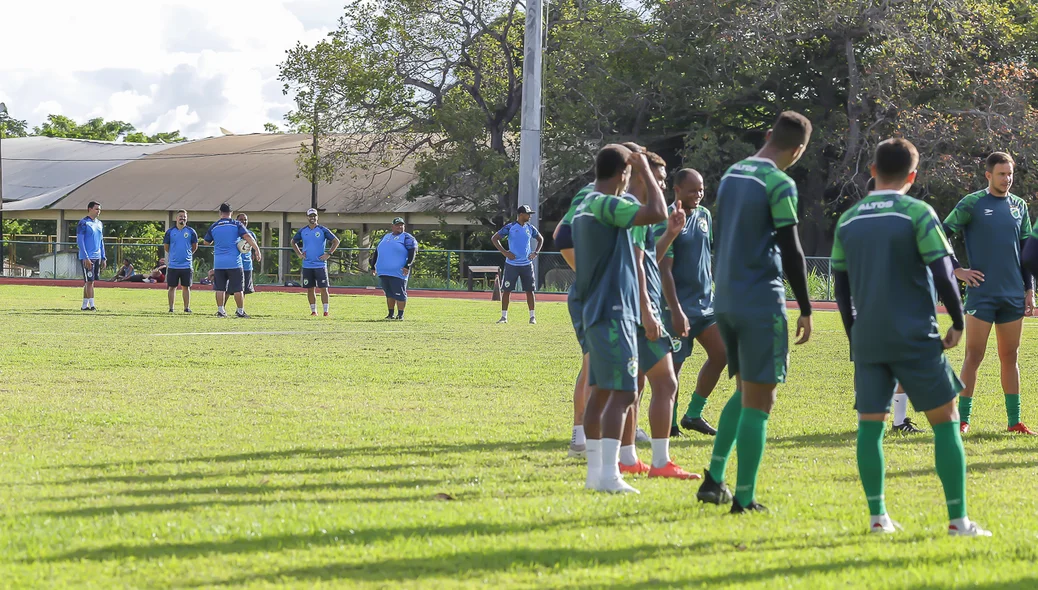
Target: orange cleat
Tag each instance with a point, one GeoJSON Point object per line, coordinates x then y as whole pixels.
{"type": "Point", "coordinates": [326, 314]}
{"type": "Point", "coordinates": [638, 468]}
{"type": "Point", "coordinates": [672, 471]}
{"type": "Point", "coordinates": [1022, 428]}
{"type": "Point", "coordinates": [964, 427]}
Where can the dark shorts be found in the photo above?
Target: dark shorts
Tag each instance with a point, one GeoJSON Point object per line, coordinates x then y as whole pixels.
{"type": "Point", "coordinates": [576, 315]}
{"type": "Point", "coordinates": [995, 310]}
{"type": "Point", "coordinates": [514, 273]}
{"type": "Point", "coordinates": [683, 344]}
{"type": "Point", "coordinates": [179, 277]}
{"type": "Point", "coordinates": [613, 355]}
{"type": "Point", "coordinates": [757, 346]}
{"type": "Point", "coordinates": [228, 280]}
{"type": "Point", "coordinates": [929, 382]}
{"type": "Point", "coordinates": [315, 278]}
{"type": "Point", "coordinates": [89, 276]}
{"type": "Point", "coordinates": [249, 288]}
{"type": "Point", "coordinates": [652, 352]}
{"type": "Point", "coordinates": [394, 287]}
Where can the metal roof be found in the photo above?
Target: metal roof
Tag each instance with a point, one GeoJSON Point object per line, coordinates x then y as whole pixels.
{"type": "Point", "coordinates": [38, 171]}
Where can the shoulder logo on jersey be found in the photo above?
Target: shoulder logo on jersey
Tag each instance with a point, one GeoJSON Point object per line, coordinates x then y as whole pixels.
{"type": "Point", "coordinates": [1015, 211]}
{"type": "Point", "coordinates": [632, 367]}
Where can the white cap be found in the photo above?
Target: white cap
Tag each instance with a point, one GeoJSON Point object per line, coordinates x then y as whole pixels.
{"type": "Point", "coordinates": [310, 212]}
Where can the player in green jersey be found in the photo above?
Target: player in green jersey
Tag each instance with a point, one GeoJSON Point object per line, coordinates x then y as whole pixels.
{"type": "Point", "coordinates": [994, 223]}
{"type": "Point", "coordinates": [757, 243]}
{"type": "Point", "coordinates": [685, 268]}
{"type": "Point", "coordinates": [889, 255]}
{"type": "Point", "coordinates": [607, 286]}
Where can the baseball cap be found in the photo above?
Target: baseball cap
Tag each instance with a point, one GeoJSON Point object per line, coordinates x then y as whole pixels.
{"type": "Point", "coordinates": [310, 212]}
{"type": "Point", "coordinates": [397, 220]}
{"type": "Point", "coordinates": [525, 209]}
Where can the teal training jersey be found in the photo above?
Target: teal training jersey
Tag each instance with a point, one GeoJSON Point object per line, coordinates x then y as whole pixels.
{"type": "Point", "coordinates": [690, 252]}
{"type": "Point", "coordinates": [754, 199]}
{"type": "Point", "coordinates": [567, 219]}
{"type": "Point", "coordinates": [885, 243]}
{"type": "Point", "coordinates": [992, 228]}
{"type": "Point", "coordinates": [645, 240]}
{"type": "Point", "coordinates": [607, 279]}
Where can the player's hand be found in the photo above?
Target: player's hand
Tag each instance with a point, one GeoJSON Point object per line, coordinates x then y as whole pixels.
{"type": "Point", "coordinates": [653, 329]}
{"type": "Point", "coordinates": [406, 271]}
{"type": "Point", "coordinates": [104, 264]}
{"type": "Point", "coordinates": [509, 256]}
{"type": "Point", "coordinates": [951, 340]}
{"type": "Point", "coordinates": [533, 255]}
{"type": "Point", "coordinates": [257, 255]}
{"type": "Point", "coordinates": [638, 161]}
{"type": "Point", "coordinates": [679, 323]}
{"type": "Point", "coordinates": [804, 326]}
{"type": "Point", "coordinates": [676, 220]}
{"type": "Point", "coordinates": [1029, 303]}
{"type": "Point", "coordinates": [324, 257]}
{"type": "Point", "coordinates": [972, 278]}
{"type": "Point", "coordinates": [87, 264]}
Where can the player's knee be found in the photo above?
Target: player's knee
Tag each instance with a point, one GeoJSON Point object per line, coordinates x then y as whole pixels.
{"type": "Point", "coordinates": [1009, 356]}
{"type": "Point", "coordinates": [974, 355]}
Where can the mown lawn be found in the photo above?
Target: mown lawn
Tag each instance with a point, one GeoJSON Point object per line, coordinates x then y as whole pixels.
{"type": "Point", "coordinates": [140, 449]}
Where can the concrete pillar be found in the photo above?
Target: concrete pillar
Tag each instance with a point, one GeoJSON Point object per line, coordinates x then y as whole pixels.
{"type": "Point", "coordinates": [265, 242]}
{"type": "Point", "coordinates": [62, 228]}
{"type": "Point", "coordinates": [461, 256]}
{"type": "Point", "coordinates": [285, 252]}
{"type": "Point", "coordinates": [171, 221]}
{"type": "Point", "coordinates": [363, 241]}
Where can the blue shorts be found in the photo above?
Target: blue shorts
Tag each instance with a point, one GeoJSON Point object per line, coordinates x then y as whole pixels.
{"type": "Point", "coordinates": [394, 287]}
{"type": "Point", "coordinates": [683, 344]}
{"type": "Point", "coordinates": [514, 273]}
{"type": "Point", "coordinates": [613, 355]}
{"type": "Point", "coordinates": [315, 278]}
{"type": "Point", "coordinates": [757, 346]}
{"type": "Point", "coordinates": [576, 315]}
{"type": "Point", "coordinates": [89, 276]}
{"type": "Point", "coordinates": [930, 383]}
{"type": "Point", "coordinates": [995, 310]}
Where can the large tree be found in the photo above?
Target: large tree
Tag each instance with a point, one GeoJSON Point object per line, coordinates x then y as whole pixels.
{"type": "Point", "coordinates": [101, 130]}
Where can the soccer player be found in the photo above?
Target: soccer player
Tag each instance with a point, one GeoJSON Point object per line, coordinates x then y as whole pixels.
{"type": "Point", "coordinates": [757, 241]}
{"type": "Point", "coordinates": [889, 253]}
{"type": "Point", "coordinates": [994, 224]}
{"type": "Point", "coordinates": [607, 285]}
{"type": "Point", "coordinates": [519, 259]}
{"type": "Point", "coordinates": [180, 244]}
{"type": "Point", "coordinates": [90, 240]}
{"type": "Point", "coordinates": [311, 244]}
{"type": "Point", "coordinates": [655, 362]}
{"type": "Point", "coordinates": [392, 262]}
{"type": "Point", "coordinates": [685, 268]}
{"type": "Point", "coordinates": [229, 275]}
{"type": "Point", "coordinates": [563, 237]}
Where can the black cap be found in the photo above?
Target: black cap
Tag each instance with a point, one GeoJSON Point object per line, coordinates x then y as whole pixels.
{"type": "Point", "coordinates": [525, 209]}
{"type": "Point", "coordinates": [225, 208]}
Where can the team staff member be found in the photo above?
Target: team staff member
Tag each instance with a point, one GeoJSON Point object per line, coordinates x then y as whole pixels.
{"type": "Point", "coordinates": [519, 259]}
{"type": "Point", "coordinates": [311, 244]}
{"type": "Point", "coordinates": [180, 244]}
{"type": "Point", "coordinates": [229, 276]}
{"type": "Point", "coordinates": [392, 262]}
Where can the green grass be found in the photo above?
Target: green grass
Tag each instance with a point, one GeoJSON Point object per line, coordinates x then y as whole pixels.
{"type": "Point", "coordinates": [313, 457]}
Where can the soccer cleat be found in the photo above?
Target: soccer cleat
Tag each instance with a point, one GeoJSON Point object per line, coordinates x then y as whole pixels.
{"type": "Point", "coordinates": [577, 451]}
{"type": "Point", "coordinates": [883, 525]}
{"type": "Point", "coordinates": [221, 314]}
{"type": "Point", "coordinates": [751, 507]}
{"type": "Point", "coordinates": [675, 432]}
{"type": "Point", "coordinates": [713, 492]}
{"type": "Point", "coordinates": [241, 314]}
{"type": "Point", "coordinates": [388, 317]}
{"type": "Point", "coordinates": [672, 471]}
{"type": "Point", "coordinates": [84, 309]}
{"type": "Point", "coordinates": [638, 468]}
{"type": "Point", "coordinates": [533, 320]}
{"type": "Point", "coordinates": [699, 425]}
{"type": "Point", "coordinates": [326, 314]}
{"type": "Point", "coordinates": [171, 310]}
{"type": "Point", "coordinates": [971, 529]}
{"type": "Point", "coordinates": [313, 314]}
{"type": "Point", "coordinates": [907, 427]}
{"type": "Point", "coordinates": [616, 485]}
{"type": "Point", "coordinates": [92, 308]}
{"type": "Point", "coordinates": [641, 436]}
{"type": "Point", "coordinates": [502, 321]}
{"type": "Point", "coordinates": [964, 427]}
{"type": "Point", "coordinates": [1022, 428]}
{"type": "Point", "coordinates": [188, 310]}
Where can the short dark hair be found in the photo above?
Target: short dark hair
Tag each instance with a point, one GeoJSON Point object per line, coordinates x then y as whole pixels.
{"type": "Point", "coordinates": [611, 161]}
{"type": "Point", "coordinates": [225, 208]}
{"type": "Point", "coordinates": [92, 204]}
{"type": "Point", "coordinates": [790, 130]}
{"type": "Point", "coordinates": [684, 175]}
{"type": "Point", "coordinates": [997, 158]}
{"type": "Point", "coordinates": [895, 159]}
{"type": "Point", "coordinates": [655, 159]}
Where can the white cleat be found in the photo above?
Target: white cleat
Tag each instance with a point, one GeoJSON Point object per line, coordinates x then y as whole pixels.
{"type": "Point", "coordinates": [970, 530]}
{"type": "Point", "coordinates": [592, 481]}
{"type": "Point", "coordinates": [882, 525]}
{"type": "Point", "coordinates": [616, 485]}
{"type": "Point", "coordinates": [577, 451]}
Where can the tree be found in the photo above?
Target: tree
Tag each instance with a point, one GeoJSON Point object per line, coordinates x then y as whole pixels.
{"type": "Point", "coordinates": [141, 137]}
{"type": "Point", "coordinates": [101, 130]}
{"type": "Point", "coordinates": [11, 127]}
{"type": "Point", "coordinates": [271, 128]}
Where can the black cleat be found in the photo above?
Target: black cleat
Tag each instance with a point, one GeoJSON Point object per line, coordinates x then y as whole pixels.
{"type": "Point", "coordinates": [171, 310]}
{"type": "Point", "coordinates": [188, 310]}
{"type": "Point", "coordinates": [712, 492]}
{"type": "Point", "coordinates": [221, 314]}
{"type": "Point", "coordinates": [752, 507]}
{"type": "Point", "coordinates": [699, 425]}
{"type": "Point", "coordinates": [241, 314]}
{"type": "Point", "coordinates": [92, 308]}
{"type": "Point", "coordinates": [675, 432]}
{"type": "Point", "coordinates": [388, 317]}
{"type": "Point", "coordinates": [908, 427]}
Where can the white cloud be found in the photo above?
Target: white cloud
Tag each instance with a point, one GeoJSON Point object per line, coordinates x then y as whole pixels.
{"type": "Point", "coordinates": [195, 64]}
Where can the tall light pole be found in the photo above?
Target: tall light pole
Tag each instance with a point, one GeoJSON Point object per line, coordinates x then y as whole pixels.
{"type": "Point", "coordinates": [530, 130]}
{"type": "Point", "coordinates": [3, 132]}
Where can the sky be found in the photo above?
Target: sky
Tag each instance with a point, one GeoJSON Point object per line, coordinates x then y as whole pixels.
{"type": "Point", "coordinates": [161, 65]}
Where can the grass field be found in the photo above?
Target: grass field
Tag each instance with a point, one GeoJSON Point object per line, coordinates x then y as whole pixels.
{"type": "Point", "coordinates": [140, 450]}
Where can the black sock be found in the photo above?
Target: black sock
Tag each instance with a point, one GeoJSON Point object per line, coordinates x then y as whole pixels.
{"type": "Point", "coordinates": [400, 314]}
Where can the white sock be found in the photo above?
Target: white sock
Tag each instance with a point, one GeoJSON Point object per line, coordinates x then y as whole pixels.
{"type": "Point", "coordinates": [313, 308]}
{"type": "Point", "coordinates": [578, 436]}
{"type": "Point", "coordinates": [91, 302]}
{"type": "Point", "coordinates": [900, 408]}
{"type": "Point", "coordinates": [660, 452]}
{"type": "Point", "coordinates": [628, 455]}
{"type": "Point", "coordinates": [326, 307]}
{"type": "Point", "coordinates": [532, 314]}
{"type": "Point", "coordinates": [221, 309]}
{"type": "Point", "coordinates": [594, 461]}
{"type": "Point", "coordinates": [610, 459]}
{"type": "Point", "coordinates": [504, 313]}
{"type": "Point", "coordinates": [86, 302]}
{"type": "Point", "coordinates": [241, 310]}
{"type": "Point", "coordinates": [960, 523]}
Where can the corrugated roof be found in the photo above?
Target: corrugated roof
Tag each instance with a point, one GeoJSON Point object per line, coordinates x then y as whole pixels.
{"type": "Point", "coordinates": [255, 173]}
{"type": "Point", "coordinates": [41, 170]}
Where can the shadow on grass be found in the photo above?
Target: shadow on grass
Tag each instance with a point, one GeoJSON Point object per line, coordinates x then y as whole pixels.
{"type": "Point", "coordinates": [256, 489]}
{"type": "Point", "coordinates": [971, 467]}
{"type": "Point", "coordinates": [192, 475]}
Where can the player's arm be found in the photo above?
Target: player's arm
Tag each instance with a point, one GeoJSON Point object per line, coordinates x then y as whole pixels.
{"type": "Point", "coordinates": [936, 253]}
{"type": "Point", "coordinates": [496, 241]}
{"type": "Point", "coordinates": [194, 242]}
{"type": "Point", "coordinates": [373, 259]}
{"type": "Point", "coordinates": [1029, 256]}
{"type": "Point", "coordinates": [842, 284]}
{"type": "Point", "coordinates": [563, 237]}
{"type": "Point", "coordinates": [953, 227]}
{"type": "Point", "coordinates": [245, 235]}
{"type": "Point", "coordinates": [666, 233]}
{"type": "Point", "coordinates": [782, 199]}
{"type": "Point", "coordinates": [540, 242]}
{"type": "Point", "coordinates": [297, 241]}
{"type": "Point", "coordinates": [649, 321]}
{"type": "Point", "coordinates": [165, 242]}
{"type": "Point", "coordinates": [655, 208]}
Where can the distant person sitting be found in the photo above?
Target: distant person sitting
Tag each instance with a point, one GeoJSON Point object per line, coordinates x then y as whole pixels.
{"type": "Point", "coordinates": [125, 272]}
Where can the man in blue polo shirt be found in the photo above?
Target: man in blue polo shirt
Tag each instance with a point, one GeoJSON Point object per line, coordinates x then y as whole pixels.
{"type": "Point", "coordinates": [180, 243]}
{"type": "Point", "coordinates": [518, 259]}
{"type": "Point", "coordinates": [228, 274]}
{"type": "Point", "coordinates": [248, 288]}
{"type": "Point", "coordinates": [311, 244]}
{"type": "Point", "coordinates": [392, 262]}
{"type": "Point", "coordinates": [91, 251]}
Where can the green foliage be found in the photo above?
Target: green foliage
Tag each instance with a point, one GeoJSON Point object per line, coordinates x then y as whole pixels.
{"type": "Point", "coordinates": [101, 130]}
{"type": "Point", "coordinates": [11, 127]}
{"type": "Point", "coordinates": [141, 137]}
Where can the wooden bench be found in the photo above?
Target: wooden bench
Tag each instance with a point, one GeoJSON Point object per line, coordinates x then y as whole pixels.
{"type": "Point", "coordinates": [486, 271]}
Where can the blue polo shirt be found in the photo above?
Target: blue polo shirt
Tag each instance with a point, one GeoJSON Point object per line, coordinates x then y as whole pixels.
{"type": "Point", "coordinates": [519, 238]}
{"type": "Point", "coordinates": [224, 235]}
{"type": "Point", "coordinates": [180, 242]}
{"type": "Point", "coordinates": [392, 254]}
{"type": "Point", "coordinates": [314, 242]}
{"type": "Point", "coordinates": [90, 240]}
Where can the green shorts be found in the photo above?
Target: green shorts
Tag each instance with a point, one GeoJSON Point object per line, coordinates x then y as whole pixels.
{"type": "Point", "coordinates": [995, 310]}
{"type": "Point", "coordinates": [612, 347]}
{"type": "Point", "coordinates": [576, 315]}
{"type": "Point", "coordinates": [650, 353]}
{"type": "Point", "coordinates": [757, 346]}
{"type": "Point", "coordinates": [929, 382]}
{"type": "Point", "coordinates": [683, 344]}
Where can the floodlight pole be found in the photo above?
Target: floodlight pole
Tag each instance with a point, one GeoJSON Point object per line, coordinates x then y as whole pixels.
{"type": "Point", "coordinates": [530, 133]}
{"type": "Point", "coordinates": [3, 132]}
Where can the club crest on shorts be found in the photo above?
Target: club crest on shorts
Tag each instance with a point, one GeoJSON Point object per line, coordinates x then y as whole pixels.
{"type": "Point", "coordinates": [632, 367]}
{"type": "Point", "coordinates": [306, 282]}
{"type": "Point", "coordinates": [675, 344]}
